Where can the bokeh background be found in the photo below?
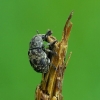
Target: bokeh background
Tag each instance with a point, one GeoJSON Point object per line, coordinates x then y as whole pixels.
{"type": "Point", "coordinates": [19, 20]}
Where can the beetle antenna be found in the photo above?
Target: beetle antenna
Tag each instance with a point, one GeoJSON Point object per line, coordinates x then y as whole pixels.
{"type": "Point", "coordinates": [37, 32]}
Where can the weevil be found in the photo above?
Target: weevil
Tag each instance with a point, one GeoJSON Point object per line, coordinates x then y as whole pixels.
{"type": "Point", "coordinates": [38, 55]}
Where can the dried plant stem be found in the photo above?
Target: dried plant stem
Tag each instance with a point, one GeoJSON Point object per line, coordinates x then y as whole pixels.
{"type": "Point", "coordinates": [51, 84]}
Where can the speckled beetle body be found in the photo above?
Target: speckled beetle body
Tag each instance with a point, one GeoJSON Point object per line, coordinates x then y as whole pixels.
{"type": "Point", "coordinates": [37, 53]}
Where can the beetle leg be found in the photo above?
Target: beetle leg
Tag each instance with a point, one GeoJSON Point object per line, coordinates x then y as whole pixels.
{"type": "Point", "coordinates": [45, 36]}
{"type": "Point", "coordinates": [49, 32]}
{"type": "Point", "coordinates": [51, 45]}
{"type": "Point", "coordinates": [50, 51]}
{"type": "Point", "coordinates": [55, 68]}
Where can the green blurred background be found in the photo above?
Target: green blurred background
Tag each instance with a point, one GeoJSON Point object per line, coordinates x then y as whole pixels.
{"type": "Point", "coordinates": [19, 20]}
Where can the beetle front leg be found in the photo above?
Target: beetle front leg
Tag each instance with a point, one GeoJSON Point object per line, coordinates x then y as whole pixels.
{"type": "Point", "coordinates": [49, 32]}
{"type": "Point", "coordinates": [45, 36]}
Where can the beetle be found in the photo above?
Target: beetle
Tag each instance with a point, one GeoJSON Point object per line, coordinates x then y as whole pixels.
{"type": "Point", "coordinates": [38, 55]}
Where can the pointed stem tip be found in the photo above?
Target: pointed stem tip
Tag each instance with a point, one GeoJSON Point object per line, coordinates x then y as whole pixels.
{"type": "Point", "coordinates": [70, 16]}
